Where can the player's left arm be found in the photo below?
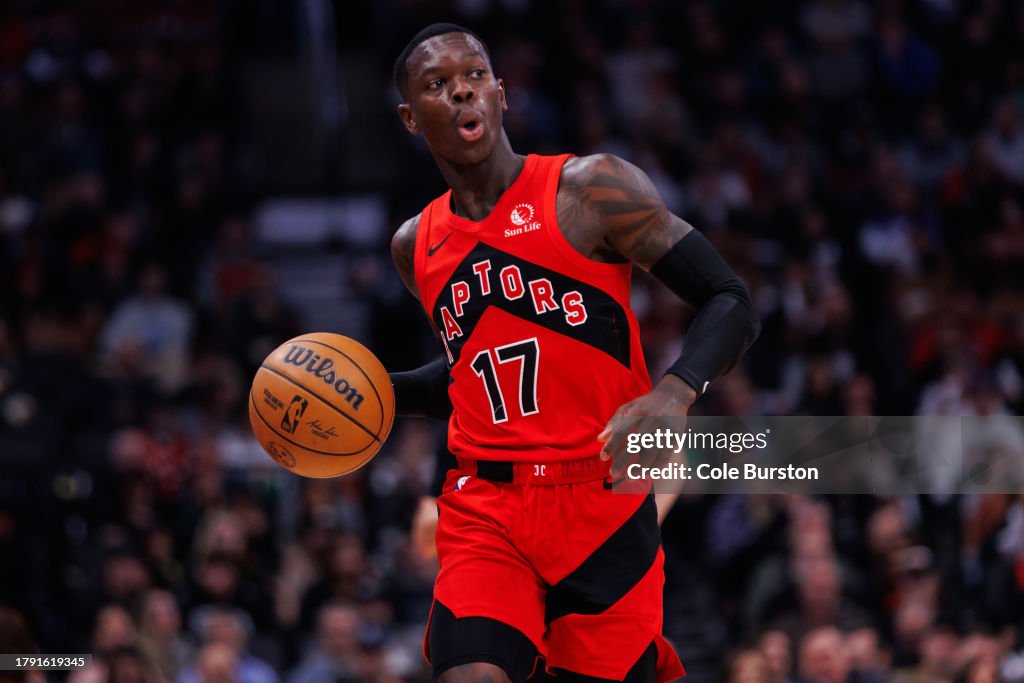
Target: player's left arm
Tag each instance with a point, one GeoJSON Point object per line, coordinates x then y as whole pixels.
{"type": "Point", "coordinates": [617, 211]}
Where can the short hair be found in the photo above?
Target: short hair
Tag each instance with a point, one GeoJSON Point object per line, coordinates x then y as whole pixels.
{"type": "Point", "coordinates": [401, 74]}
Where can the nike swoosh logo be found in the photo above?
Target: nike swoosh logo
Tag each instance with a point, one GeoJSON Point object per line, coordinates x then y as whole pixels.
{"type": "Point", "coordinates": [610, 483]}
{"type": "Point", "coordinates": [432, 249]}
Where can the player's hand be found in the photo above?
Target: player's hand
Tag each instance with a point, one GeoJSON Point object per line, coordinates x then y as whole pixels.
{"type": "Point", "coordinates": [662, 408]}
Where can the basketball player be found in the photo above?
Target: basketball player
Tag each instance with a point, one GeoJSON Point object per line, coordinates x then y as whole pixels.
{"type": "Point", "coordinates": [524, 267]}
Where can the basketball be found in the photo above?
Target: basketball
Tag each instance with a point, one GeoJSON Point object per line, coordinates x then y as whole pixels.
{"type": "Point", "coordinates": [321, 405]}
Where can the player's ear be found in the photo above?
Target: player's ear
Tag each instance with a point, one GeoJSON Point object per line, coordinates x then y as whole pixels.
{"type": "Point", "coordinates": [408, 120]}
{"type": "Point", "coordinates": [501, 95]}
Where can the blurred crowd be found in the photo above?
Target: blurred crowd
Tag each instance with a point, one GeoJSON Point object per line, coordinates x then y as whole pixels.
{"type": "Point", "coordinates": [860, 164]}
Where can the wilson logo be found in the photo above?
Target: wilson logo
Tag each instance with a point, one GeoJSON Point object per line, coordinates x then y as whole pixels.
{"type": "Point", "coordinates": [304, 358]}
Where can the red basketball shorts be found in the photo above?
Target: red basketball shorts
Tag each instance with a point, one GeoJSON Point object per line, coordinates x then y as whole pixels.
{"type": "Point", "coordinates": [552, 552]}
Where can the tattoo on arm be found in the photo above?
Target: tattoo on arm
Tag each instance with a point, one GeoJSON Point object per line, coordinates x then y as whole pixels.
{"type": "Point", "coordinates": [610, 206]}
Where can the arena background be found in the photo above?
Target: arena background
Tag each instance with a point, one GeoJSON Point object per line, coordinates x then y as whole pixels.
{"type": "Point", "coordinates": [185, 184]}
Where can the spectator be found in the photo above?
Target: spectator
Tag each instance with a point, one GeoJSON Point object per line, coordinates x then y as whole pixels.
{"type": "Point", "coordinates": [157, 325]}
{"type": "Point", "coordinates": [829, 21]}
{"type": "Point", "coordinates": [16, 637]}
{"type": "Point", "coordinates": [224, 633]}
{"type": "Point", "coordinates": [218, 663]}
{"type": "Point", "coordinates": [776, 647]}
{"type": "Point", "coordinates": [114, 632]}
{"type": "Point", "coordinates": [160, 636]}
{"type": "Point", "coordinates": [128, 665]}
{"type": "Point", "coordinates": [823, 657]}
{"type": "Point", "coordinates": [937, 657]}
{"type": "Point", "coordinates": [934, 154]}
{"type": "Point", "coordinates": [1005, 140]}
{"type": "Point", "coordinates": [748, 666]}
{"type": "Point", "coordinates": [337, 653]}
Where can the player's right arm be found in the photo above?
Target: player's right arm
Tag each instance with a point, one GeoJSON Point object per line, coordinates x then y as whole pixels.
{"type": "Point", "coordinates": [403, 253]}
{"type": "Point", "coordinates": [422, 392]}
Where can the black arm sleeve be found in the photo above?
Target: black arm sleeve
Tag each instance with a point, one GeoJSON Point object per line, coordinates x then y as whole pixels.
{"type": "Point", "coordinates": [725, 324]}
{"type": "Point", "coordinates": [423, 392]}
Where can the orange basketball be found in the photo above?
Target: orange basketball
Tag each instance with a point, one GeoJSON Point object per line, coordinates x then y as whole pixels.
{"type": "Point", "coordinates": [321, 405]}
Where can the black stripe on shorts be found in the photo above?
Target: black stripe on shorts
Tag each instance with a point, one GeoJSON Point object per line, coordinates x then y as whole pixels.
{"type": "Point", "coordinates": [453, 642]}
{"type": "Point", "coordinates": [612, 570]}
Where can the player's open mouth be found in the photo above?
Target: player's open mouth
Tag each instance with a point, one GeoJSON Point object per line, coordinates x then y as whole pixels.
{"type": "Point", "coordinates": [470, 126]}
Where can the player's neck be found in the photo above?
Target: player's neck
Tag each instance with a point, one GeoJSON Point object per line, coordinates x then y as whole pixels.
{"type": "Point", "coordinates": [477, 188]}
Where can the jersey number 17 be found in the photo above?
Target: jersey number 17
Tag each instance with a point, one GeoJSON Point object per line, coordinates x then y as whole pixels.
{"type": "Point", "coordinates": [525, 351]}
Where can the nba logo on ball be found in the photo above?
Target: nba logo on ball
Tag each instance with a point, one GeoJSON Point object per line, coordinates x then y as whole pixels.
{"type": "Point", "coordinates": [290, 421]}
{"type": "Point", "coordinates": [341, 411]}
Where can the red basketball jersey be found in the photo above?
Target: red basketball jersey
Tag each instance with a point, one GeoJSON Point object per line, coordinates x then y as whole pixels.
{"type": "Point", "coordinates": [542, 342]}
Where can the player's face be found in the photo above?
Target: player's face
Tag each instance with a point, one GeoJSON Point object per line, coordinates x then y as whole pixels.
{"type": "Point", "coordinates": [453, 98]}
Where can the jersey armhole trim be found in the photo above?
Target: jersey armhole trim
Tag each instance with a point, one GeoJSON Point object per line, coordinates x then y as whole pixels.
{"type": "Point", "coordinates": [559, 241]}
{"type": "Point", "coordinates": [420, 256]}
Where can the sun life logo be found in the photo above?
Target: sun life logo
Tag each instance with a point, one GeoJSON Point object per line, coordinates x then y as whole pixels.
{"type": "Point", "coordinates": [522, 214]}
{"type": "Point", "coordinates": [522, 220]}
